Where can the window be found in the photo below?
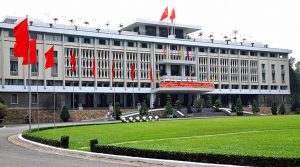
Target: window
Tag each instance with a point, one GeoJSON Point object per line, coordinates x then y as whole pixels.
{"type": "Point", "coordinates": [35, 67]}
{"type": "Point", "coordinates": [202, 49]}
{"type": "Point", "coordinates": [273, 76]}
{"type": "Point", "coordinates": [234, 52]}
{"type": "Point", "coordinates": [159, 46]}
{"type": "Point", "coordinates": [71, 39]}
{"type": "Point", "coordinates": [34, 98]}
{"type": "Point", "coordinates": [144, 45]}
{"type": "Point", "coordinates": [213, 50]}
{"type": "Point", "coordinates": [224, 51]}
{"type": "Point", "coordinates": [10, 33]}
{"type": "Point", "coordinates": [130, 44]}
{"type": "Point", "coordinates": [13, 66]}
{"type": "Point", "coordinates": [243, 52]}
{"type": "Point", "coordinates": [55, 54]}
{"type": "Point", "coordinates": [117, 43]}
{"type": "Point", "coordinates": [272, 55]}
{"type": "Point", "coordinates": [52, 37]}
{"type": "Point", "coordinates": [11, 51]}
{"type": "Point", "coordinates": [87, 40]}
{"type": "Point", "coordinates": [263, 77]}
{"type": "Point", "coordinates": [36, 35]}
{"type": "Point", "coordinates": [273, 66]}
{"type": "Point", "coordinates": [54, 69]}
{"type": "Point", "coordinates": [102, 41]}
{"type": "Point", "coordinates": [253, 53]}
{"type": "Point", "coordinates": [150, 30]}
{"type": "Point", "coordinates": [14, 98]}
{"type": "Point", "coordinates": [282, 67]}
{"type": "Point", "coordinates": [263, 66]}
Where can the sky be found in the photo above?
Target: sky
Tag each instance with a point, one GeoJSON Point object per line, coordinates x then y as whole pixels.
{"type": "Point", "coordinates": [272, 22]}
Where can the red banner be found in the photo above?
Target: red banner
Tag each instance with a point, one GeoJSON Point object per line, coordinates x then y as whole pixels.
{"type": "Point", "coordinates": [205, 85]}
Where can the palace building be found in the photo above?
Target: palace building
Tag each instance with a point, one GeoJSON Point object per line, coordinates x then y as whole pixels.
{"type": "Point", "coordinates": [184, 67]}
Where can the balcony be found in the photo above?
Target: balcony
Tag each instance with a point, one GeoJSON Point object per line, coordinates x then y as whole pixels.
{"type": "Point", "coordinates": [177, 78]}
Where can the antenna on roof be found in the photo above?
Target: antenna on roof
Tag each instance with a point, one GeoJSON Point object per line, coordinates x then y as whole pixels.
{"type": "Point", "coordinates": [55, 19]}
{"type": "Point", "coordinates": [211, 36]}
{"type": "Point", "coordinates": [200, 34]}
{"type": "Point", "coordinates": [235, 33]}
{"type": "Point", "coordinates": [71, 21]}
{"type": "Point", "coordinates": [107, 25]}
{"type": "Point", "coordinates": [86, 23]}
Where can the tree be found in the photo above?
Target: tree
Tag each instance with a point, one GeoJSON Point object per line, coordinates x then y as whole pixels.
{"type": "Point", "coordinates": [209, 102]}
{"type": "Point", "coordinates": [177, 104]}
{"type": "Point", "coordinates": [274, 108]}
{"type": "Point", "coordinates": [1, 100]}
{"type": "Point", "coordinates": [198, 103]}
{"type": "Point", "coordinates": [65, 114]}
{"type": "Point", "coordinates": [233, 108]}
{"type": "Point", "coordinates": [239, 106]}
{"type": "Point", "coordinates": [3, 111]}
{"type": "Point", "coordinates": [282, 109]}
{"type": "Point", "coordinates": [117, 112]}
{"type": "Point", "coordinates": [168, 107]}
{"type": "Point", "coordinates": [218, 104]}
{"type": "Point", "coordinates": [255, 107]}
{"type": "Point", "coordinates": [144, 109]}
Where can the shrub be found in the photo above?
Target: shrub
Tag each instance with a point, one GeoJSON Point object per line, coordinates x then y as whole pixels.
{"type": "Point", "coordinates": [239, 107]}
{"type": "Point", "coordinates": [255, 107]}
{"type": "Point", "coordinates": [1, 100]}
{"type": "Point", "coordinates": [93, 142]}
{"type": "Point", "coordinates": [218, 104]}
{"type": "Point", "coordinates": [274, 108]}
{"type": "Point", "coordinates": [65, 114]}
{"type": "Point", "coordinates": [50, 142]}
{"type": "Point", "coordinates": [117, 112]}
{"type": "Point", "coordinates": [177, 104]}
{"type": "Point", "coordinates": [198, 157]}
{"type": "Point", "coordinates": [168, 107]}
{"type": "Point", "coordinates": [209, 102]}
{"type": "Point", "coordinates": [198, 103]}
{"type": "Point", "coordinates": [233, 108]}
{"type": "Point", "coordinates": [282, 109]}
{"type": "Point", "coordinates": [64, 141]}
{"type": "Point", "coordinates": [189, 110]}
{"type": "Point", "coordinates": [144, 109]}
{"type": "Point", "coordinates": [3, 111]}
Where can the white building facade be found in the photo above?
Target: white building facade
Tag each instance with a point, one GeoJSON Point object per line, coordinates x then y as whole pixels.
{"type": "Point", "coordinates": [223, 69]}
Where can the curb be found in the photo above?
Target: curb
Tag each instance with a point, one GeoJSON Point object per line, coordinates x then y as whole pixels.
{"type": "Point", "coordinates": [126, 158]}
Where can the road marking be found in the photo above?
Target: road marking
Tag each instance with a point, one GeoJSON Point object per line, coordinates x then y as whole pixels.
{"type": "Point", "coordinates": [190, 137]}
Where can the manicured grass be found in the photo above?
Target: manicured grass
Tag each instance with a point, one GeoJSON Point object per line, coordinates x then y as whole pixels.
{"type": "Point", "coordinates": [271, 136]}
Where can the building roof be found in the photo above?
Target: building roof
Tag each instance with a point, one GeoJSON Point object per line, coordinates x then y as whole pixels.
{"type": "Point", "coordinates": [137, 22]}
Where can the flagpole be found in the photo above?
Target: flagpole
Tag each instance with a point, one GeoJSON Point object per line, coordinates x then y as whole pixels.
{"type": "Point", "coordinates": [54, 101]}
{"type": "Point", "coordinates": [29, 84]}
{"type": "Point", "coordinates": [37, 100]}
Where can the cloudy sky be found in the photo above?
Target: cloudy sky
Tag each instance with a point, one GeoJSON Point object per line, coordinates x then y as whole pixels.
{"type": "Point", "coordinates": [273, 22]}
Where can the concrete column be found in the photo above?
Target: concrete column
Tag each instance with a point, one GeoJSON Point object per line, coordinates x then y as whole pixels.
{"type": "Point", "coordinates": [138, 66]}
{"type": "Point", "coordinates": [197, 64]}
{"type": "Point", "coordinates": [63, 60]}
{"type": "Point", "coordinates": [2, 59]}
{"type": "Point", "coordinates": [229, 71]}
{"type": "Point", "coordinates": [219, 69]}
{"type": "Point", "coordinates": [125, 65]}
{"type": "Point", "coordinates": [110, 62]}
{"type": "Point", "coordinates": [153, 58]}
{"type": "Point", "coordinates": [79, 62]}
{"type": "Point", "coordinates": [249, 72]}
{"type": "Point", "coordinates": [44, 51]}
{"type": "Point", "coordinates": [259, 72]}
{"type": "Point", "coordinates": [152, 99]}
{"type": "Point", "coordinates": [152, 64]}
{"type": "Point", "coordinates": [96, 64]}
{"type": "Point", "coordinates": [208, 65]}
{"type": "Point", "coordinates": [239, 67]}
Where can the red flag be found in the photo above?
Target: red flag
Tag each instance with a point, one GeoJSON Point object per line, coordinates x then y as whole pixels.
{"type": "Point", "coordinates": [151, 77]}
{"type": "Point", "coordinates": [73, 62]}
{"type": "Point", "coordinates": [49, 56]}
{"type": "Point", "coordinates": [165, 14]}
{"type": "Point", "coordinates": [132, 71]}
{"type": "Point", "coordinates": [173, 15]}
{"type": "Point", "coordinates": [32, 44]}
{"type": "Point", "coordinates": [113, 70]}
{"type": "Point", "coordinates": [22, 37]}
{"type": "Point", "coordinates": [94, 68]}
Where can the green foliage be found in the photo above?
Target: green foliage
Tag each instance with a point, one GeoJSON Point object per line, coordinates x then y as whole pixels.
{"type": "Point", "coordinates": [65, 114]}
{"type": "Point", "coordinates": [295, 101]}
{"type": "Point", "coordinates": [46, 141]}
{"type": "Point", "coordinates": [1, 100]}
{"type": "Point", "coordinates": [282, 109]}
{"type": "Point", "coordinates": [178, 104]}
{"type": "Point", "coordinates": [198, 103]}
{"type": "Point", "coordinates": [3, 110]}
{"type": "Point", "coordinates": [93, 143]}
{"type": "Point", "coordinates": [239, 107]}
{"type": "Point", "coordinates": [144, 109]}
{"type": "Point", "coordinates": [117, 112]}
{"type": "Point", "coordinates": [168, 107]}
{"type": "Point", "coordinates": [209, 102]}
{"type": "Point", "coordinates": [197, 157]}
{"type": "Point", "coordinates": [64, 141]}
{"type": "Point", "coordinates": [274, 108]}
{"type": "Point", "coordinates": [233, 108]}
{"type": "Point", "coordinates": [218, 104]}
{"type": "Point", "coordinates": [255, 107]}
{"type": "Point", "coordinates": [189, 110]}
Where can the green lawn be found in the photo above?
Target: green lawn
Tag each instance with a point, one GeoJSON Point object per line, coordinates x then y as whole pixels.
{"type": "Point", "coordinates": [272, 136]}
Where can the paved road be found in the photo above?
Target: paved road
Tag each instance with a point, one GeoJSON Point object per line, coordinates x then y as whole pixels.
{"type": "Point", "coordinates": [15, 156]}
